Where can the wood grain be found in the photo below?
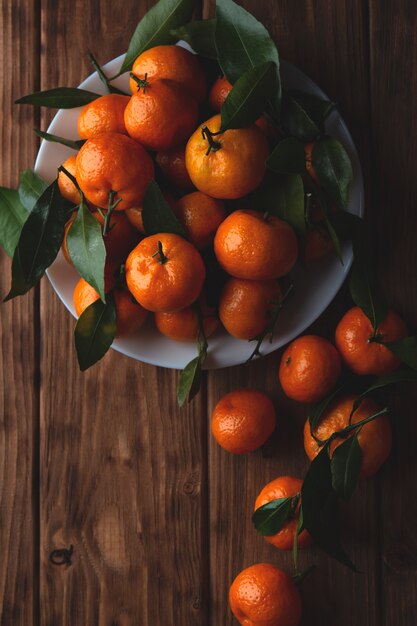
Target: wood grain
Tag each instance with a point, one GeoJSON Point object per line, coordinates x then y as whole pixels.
{"type": "Point", "coordinates": [19, 395]}
{"type": "Point", "coordinates": [394, 129]}
{"type": "Point", "coordinates": [123, 470]}
{"type": "Point", "coordinates": [328, 41]}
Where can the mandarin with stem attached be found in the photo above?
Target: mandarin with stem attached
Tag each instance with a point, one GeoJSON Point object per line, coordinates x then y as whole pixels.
{"type": "Point", "coordinates": [113, 164]}
{"type": "Point", "coordinates": [362, 349]}
{"type": "Point", "coordinates": [255, 246]}
{"type": "Point", "coordinates": [374, 437]}
{"type": "Point", "coordinates": [284, 487]}
{"type": "Point", "coordinates": [165, 273]}
{"type": "Point", "coordinates": [173, 63]}
{"type": "Point", "coordinates": [161, 115]}
{"type": "Point", "coordinates": [228, 165]}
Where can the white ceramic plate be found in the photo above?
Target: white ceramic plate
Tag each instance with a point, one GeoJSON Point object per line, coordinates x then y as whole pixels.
{"type": "Point", "coordinates": [314, 288]}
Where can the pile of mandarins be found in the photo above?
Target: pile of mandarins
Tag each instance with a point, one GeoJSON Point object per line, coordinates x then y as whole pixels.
{"type": "Point", "coordinates": [157, 130]}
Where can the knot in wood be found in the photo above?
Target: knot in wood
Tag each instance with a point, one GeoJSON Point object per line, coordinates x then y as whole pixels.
{"type": "Point", "coordinates": [61, 556]}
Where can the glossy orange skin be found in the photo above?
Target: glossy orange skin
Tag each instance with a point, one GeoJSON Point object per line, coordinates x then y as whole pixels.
{"type": "Point", "coordinates": [114, 162]}
{"type": "Point", "coordinates": [243, 420]}
{"type": "Point", "coordinates": [284, 487]}
{"type": "Point", "coordinates": [172, 63]}
{"type": "Point", "coordinates": [169, 286]}
{"type": "Point", "coordinates": [374, 438]}
{"type": "Point", "coordinates": [106, 114]}
{"type": "Point", "coordinates": [218, 94]}
{"type": "Point", "coordinates": [172, 164]}
{"type": "Point", "coordinates": [201, 215]}
{"type": "Point", "coordinates": [317, 245]}
{"type": "Point", "coordinates": [361, 355]}
{"type": "Point", "coordinates": [66, 187]}
{"type": "Point", "coordinates": [308, 148]}
{"type": "Point", "coordinates": [245, 306]}
{"type": "Point", "coordinates": [310, 367]}
{"type": "Point", "coordinates": [264, 595]}
{"type": "Point", "coordinates": [161, 116]}
{"type": "Point", "coordinates": [234, 170]}
{"type": "Point", "coordinates": [134, 215]}
{"type": "Point", "coordinates": [184, 325]}
{"type": "Point", "coordinates": [130, 316]}
{"type": "Point", "coordinates": [119, 241]}
{"type": "Point", "coordinates": [248, 245]}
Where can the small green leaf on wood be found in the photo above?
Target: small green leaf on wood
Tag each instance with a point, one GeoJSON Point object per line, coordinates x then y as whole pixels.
{"type": "Point", "coordinates": [86, 248]}
{"type": "Point", "coordinates": [333, 169]}
{"type": "Point", "coordinates": [288, 157]}
{"type": "Point", "coordinates": [320, 508]}
{"type": "Point", "coordinates": [346, 465]}
{"type": "Point", "coordinates": [95, 331]}
{"type": "Point", "coordinates": [13, 215]}
{"type": "Point", "coordinates": [60, 98]}
{"type": "Point", "coordinates": [40, 239]}
{"type": "Point", "coordinates": [199, 34]}
{"type": "Point", "coordinates": [190, 380]}
{"type": "Point", "coordinates": [31, 186]}
{"type": "Point", "coordinates": [154, 29]}
{"type": "Point", "coordinates": [269, 518]}
{"type": "Point", "coordinates": [405, 349]}
{"type": "Point", "coordinates": [157, 215]}
{"type": "Point", "coordinates": [249, 97]}
{"type": "Point", "coordinates": [398, 376]}
{"type": "Point", "coordinates": [75, 144]}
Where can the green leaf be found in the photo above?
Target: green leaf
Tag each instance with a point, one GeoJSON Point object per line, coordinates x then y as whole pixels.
{"type": "Point", "coordinates": [70, 143]}
{"type": "Point", "coordinates": [31, 186]}
{"type": "Point", "coordinates": [40, 239]}
{"type": "Point", "coordinates": [190, 380]}
{"type": "Point", "coordinates": [290, 202]}
{"type": "Point", "coordinates": [269, 518]}
{"type": "Point", "coordinates": [318, 409]}
{"type": "Point", "coordinates": [333, 169]}
{"type": "Point", "coordinates": [199, 34]}
{"type": "Point", "coordinates": [13, 215]}
{"type": "Point", "coordinates": [60, 98]}
{"type": "Point", "coordinates": [346, 225]}
{"type": "Point", "coordinates": [297, 121]}
{"type": "Point", "coordinates": [154, 29]}
{"type": "Point", "coordinates": [345, 466]}
{"type": "Point", "coordinates": [288, 157]}
{"type": "Point", "coordinates": [249, 97]}
{"type": "Point", "coordinates": [242, 42]}
{"type": "Point", "coordinates": [317, 109]}
{"type": "Point", "coordinates": [87, 250]}
{"type": "Point", "coordinates": [298, 530]}
{"type": "Point", "coordinates": [405, 349]}
{"type": "Point", "coordinates": [95, 331]}
{"type": "Point", "coordinates": [157, 215]}
{"type": "Point", "coordinates": [366, 292]}
{"type": "Point", "coordinates": [320, 508]}
{"type": "Point", "coordinates": [398, 376]}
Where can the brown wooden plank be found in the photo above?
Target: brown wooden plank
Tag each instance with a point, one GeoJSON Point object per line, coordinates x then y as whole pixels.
{"type": "Point", "coordinates": [19, 395]}
{"type": "Point", "coordinates": [123, 469]}
{"type": "Point", "coordinates": [394, 92]}
{"type": "Point", "coordinates": [328, 41]}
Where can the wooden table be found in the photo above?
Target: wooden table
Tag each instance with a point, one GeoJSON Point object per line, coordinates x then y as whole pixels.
{"type": "Point", "coordinates": [158, 514]}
